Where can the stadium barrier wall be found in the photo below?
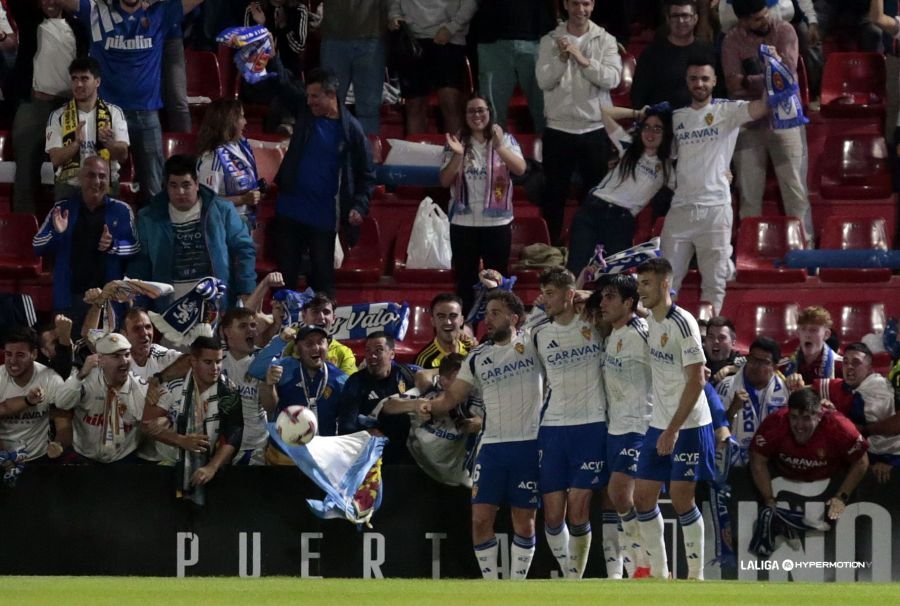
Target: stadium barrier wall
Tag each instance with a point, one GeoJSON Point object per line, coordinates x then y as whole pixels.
{"type": "Point", "coordinates": [125, 520]}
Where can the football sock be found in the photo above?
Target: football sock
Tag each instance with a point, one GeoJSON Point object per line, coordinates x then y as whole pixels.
{"type": "Point", "coordinates": [521, 553]}
{"type": "Point", "coordinates": [558, 540]}
{"type": "Point", "coordinates": [579, 547]}
{"type": "Point", "coordinates": [486, 554]}
{"type": "Point", "coordinates": [653, 542]}
{"type": "Point", "coordinates": [692, 531]}
{"type": "Point", "coordinates": [632, 543]}
{"type": "Point", "coordinates": [611, 553]}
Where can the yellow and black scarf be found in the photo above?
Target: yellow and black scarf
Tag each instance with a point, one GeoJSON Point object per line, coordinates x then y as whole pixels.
{"type": "Point", "coordinates": [70, 126]}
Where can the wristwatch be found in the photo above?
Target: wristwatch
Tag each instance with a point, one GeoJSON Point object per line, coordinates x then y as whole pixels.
{"type": "Point", "coordinates": [843, 496]}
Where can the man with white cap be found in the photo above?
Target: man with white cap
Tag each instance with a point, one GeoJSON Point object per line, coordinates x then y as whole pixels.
{"type": "Point", "coordinates": [108, 402]}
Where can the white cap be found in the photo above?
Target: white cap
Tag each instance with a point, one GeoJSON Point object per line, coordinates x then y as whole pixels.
{"type": "Point", "coordinates": [112, 343]}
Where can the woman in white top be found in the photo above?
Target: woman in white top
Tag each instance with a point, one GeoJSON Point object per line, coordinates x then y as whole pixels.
{"type": "Point", "coordinates": [477, 167]}
{"type": "Point", "coordinates": [608, 214]}
{"type": "Point", "coordinates": [226, 163]}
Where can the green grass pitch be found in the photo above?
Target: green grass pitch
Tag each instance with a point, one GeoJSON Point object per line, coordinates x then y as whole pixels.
{"type": "Point", "coordinates": [131, 591]}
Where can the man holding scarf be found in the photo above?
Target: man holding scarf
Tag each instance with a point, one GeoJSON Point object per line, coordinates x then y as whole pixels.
{"type": "Point", "coordinates": [85, 126]}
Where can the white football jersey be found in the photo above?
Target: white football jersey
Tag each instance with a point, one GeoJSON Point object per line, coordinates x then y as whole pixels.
{"type": "Point", "coordinates": [103, 433]}
{"type": "Point", "coordinates": [674, 344]}
{"type": "Point", "coordinates": [255, 433]}
{"type": "Point", "coordinates": [29, 430]}
{"type": "Point", "coordinates": [705, 140]}
{"type": "Point", "coordinates": [572, 355]}
{"type": "Point", "coordinates": [511, 383]}
{"type": "Point", "coordinates": [626, 375]}
{"type": "Point", "coordinates": [159, 359]}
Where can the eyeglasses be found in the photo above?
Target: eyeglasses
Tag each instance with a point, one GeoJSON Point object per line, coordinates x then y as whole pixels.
{"type": "Point", "coordinates": [682, 16]}
{"type": "Point", "coordinates": [477, 110]}
{"type": "Point", "coordinates": [656, 130]}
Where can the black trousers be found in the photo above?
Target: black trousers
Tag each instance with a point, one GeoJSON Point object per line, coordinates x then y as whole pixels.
{"type": "Point", "coordinates": [564, 153]}
{"type": "Point", "coordinates": [598, 221]}
{"type": "Point", "coordinates": [470, 246]}
{"type": "Point", "coordinates": [292, 239]}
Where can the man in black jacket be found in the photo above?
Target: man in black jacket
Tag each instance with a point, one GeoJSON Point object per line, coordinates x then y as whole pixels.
{"type": "Point", "coordinates": [325, 182]}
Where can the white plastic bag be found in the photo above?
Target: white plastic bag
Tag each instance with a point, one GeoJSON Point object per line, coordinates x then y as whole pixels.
{"type": "Point", "coordinates": [338, 252]}
{"type": "Point", "coordinates": [429, 242]}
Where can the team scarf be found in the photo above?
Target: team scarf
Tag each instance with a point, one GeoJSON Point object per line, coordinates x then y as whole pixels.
{"type": "Point", "coordinates": [498, 188]}
{"type": "Point", "coordinates": [720, 500]}
{"type": "Point", "coordinates": [193, 315]}
{"type": "Point", "coordinates": [192, 419]}
{"type": "Point", "coordinates": [826, 370]}
{"type": "Point", "coordinates": [112, 428]}
{"type": "Point", "coordinates": [240, 173]}
{"type": "Point", "coordinates": [122, 291]}
{"type": "Point", "coordinates": [783, 92]}
{"type": "Point", "coordinates": [762, 403]}
{"type": "Point", "coordinates": [12, 465]}
{"type": "Point", "coordinates": [293, 303]}
{"type": "Point", "coordinates": [347, 468]}
{"type": "Point", "coordinates": [362, 319]}
{"type": "Point", "coordinates": [776, 523]}
{"type": "Point", "coordinates": [253, 47]}
{"type": "Point", "coordinates": [621, 261]}
{"type": "Point", "coordinates": [482, 288]}
{"type": "Point", "coordinates": [70, 127]}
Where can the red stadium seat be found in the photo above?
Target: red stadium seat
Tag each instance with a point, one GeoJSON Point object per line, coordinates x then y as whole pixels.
{"type": "Point", "coordinates": [17, 258]}
{"type": "Point", "coordinates": [853, 85]}
{"type": "Point", "coordinates": [402, 275]}
{"type": "Point", "coordinates": [777, 321]}
{"type": "Point", "coordinates": [203, 75]}
{"type": "Point", "coordinates": [364, 263]}
{"type": "Point", "coordinates": [803, 82]}
{"type": "Point", "coordinates": [526, 231]}
{"type": "Point", "coordinates": [852, 321]}
{"type": "Point", "coordinates": [418, 334]}
{"type": "Point", "coordinates": [846, 233]}
{"type": "Point", "coordinates": [855, 167]}
{"type": "Point", "coordinates": [761, 242]}
{"type": "Point", "coordinates": [179, 143]}
{"type": "Point", "coordinates": [621, 95]}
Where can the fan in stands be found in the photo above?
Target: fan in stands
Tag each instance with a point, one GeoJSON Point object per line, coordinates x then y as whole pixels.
{"type": "Point", "coordinates": [296, 425]}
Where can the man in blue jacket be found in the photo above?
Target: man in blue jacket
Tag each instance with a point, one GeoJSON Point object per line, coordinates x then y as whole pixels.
{"type": "Point", "coordinates": [187, 233]}
{"type": "Point", "coordinates": [324, 183]}
{"type": "Point", "coordinates": [91, 235]}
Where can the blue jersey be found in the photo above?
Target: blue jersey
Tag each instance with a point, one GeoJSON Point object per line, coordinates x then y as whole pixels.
{"type": "Point", "coordinates": [321, 392]}
{"type": "Point", "coordinates": [129, 48]}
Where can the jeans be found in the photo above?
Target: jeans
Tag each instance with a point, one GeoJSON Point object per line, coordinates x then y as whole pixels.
{"type": "Point", "coordinates": [361, 62]}
{"type": "Point", "coordinates": [598, 221]}
{"type": "Point", "coordinates": [501, 65]}
{"type": "Point", "coordinates": [145, 134]}
{"type": "Point", "coordinates": [292, 239]}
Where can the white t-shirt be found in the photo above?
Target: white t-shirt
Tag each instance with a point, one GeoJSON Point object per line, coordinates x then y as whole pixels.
{"type": "Point", "coordinates": [674, 344]}
{"type": "Point", "coordinates": [626, 375]}
{"type": "Point", "coordinates": [255, 433]}
{"type": "Point", "coordinates": [511, 383]}
{"type": "Point", "coordinates": [632, 194]}
{"type": "Point", "coordinates": [158, 359]}
{"type": "Point", "coordinates": [29, 430]}
{"type": "Point", "coordinates": [475, 173]}
{"type": "Point", "coordinates": [99, 434]}
{"type": "Point", "coordinates": [571, 355]}
{"type": "Point", "coordinates": [89, 145]}
{"type": "Point", "coordinates": [706, 138]}
{"type": "Point", "coordinates": [55, 51]}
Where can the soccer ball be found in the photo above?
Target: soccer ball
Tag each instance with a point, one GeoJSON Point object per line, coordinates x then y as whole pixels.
{"type": "Point", "coordinates": [296, 425]}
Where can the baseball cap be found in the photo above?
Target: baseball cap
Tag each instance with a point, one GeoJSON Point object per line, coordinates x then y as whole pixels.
{"type": "Point", "coordinates": [112, 343]}
{"type": "Point", "coordinates": [308, 329]}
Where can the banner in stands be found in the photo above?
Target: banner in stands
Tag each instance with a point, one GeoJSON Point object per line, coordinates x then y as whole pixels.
{"type": "Point", "coordinates": [125, 520]}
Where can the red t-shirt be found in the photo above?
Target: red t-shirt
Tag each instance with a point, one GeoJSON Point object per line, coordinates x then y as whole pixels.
{"type": "Point", "coordinates": [837, 392]}
{"type": "Point", "coordinates": [834, 446]}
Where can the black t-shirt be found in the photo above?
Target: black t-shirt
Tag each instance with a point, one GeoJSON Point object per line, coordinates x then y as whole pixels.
{"type": "Point", "coordinates": [88, 264]}
{"type": "Point", "coordinates": [661, 73]}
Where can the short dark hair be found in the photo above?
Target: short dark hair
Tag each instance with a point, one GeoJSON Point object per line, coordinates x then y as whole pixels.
{"type": "Point", "coordinates": [21, 334]}
{"type": "Point", "coordinates": [557, 276]}
{"type": "Point", "coordinates": [510, 299]}
{"type": "Point", "coordinates": [721, 322]}
{"type": "Point", "coordinates": [380, 334]}
{"type": "Point", "coordinates": [325, 78]}
{"type": "Point", "coordinates": [133, 312]}
{"type": "Point", "coordinates": [236, 313]}
{"type": "Point", "coordinates": [860, 347]}
{"type": "Point", "coordinates": [446, 297]}
{"type": "Point", "coordinates": [701, 59]}
{"type": "Point", "coordinates": [319, 300]}
{"type": "Point", "coordinates": [747, 8]}
{"type": "Point", "coordinates": [625, 286]}
{"type": "Point", "coordinates": [768, 345]}
{"type": "Point", "coordinates": [85, 64]}
{"type": "Point", "coordinates": [181, 164]}
{"type": "Point", "coordinates": [805, 400]}
{"type": "Point", "coordinates": [659, 266]}
{"type": "Point", "coordinates": [451, 363]}
{"type": "Point", "coordinates": [671, 3]}
{"type": "Point", "coordinates": [201, 343]}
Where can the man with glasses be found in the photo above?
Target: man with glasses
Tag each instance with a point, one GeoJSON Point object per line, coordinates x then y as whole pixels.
{"type": "Point", "coordinates": [188, 233]}
{"type": "Point", "coordinates": [753, 393]}
{"type": "Point", "coordinates": [660, 72]}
